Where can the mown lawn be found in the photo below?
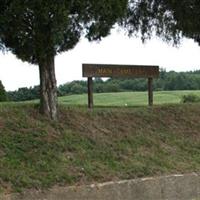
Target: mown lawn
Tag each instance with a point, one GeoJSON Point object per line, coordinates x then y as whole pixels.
{"type": "Point", "coordinates": [127, 98]}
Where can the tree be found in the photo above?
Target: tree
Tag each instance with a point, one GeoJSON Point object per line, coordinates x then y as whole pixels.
{"type": "Point", "coordinates": [152, 18]}
{"type": "Point", "coordinates": [24, 94]}
{"type": "Point", "coordinates": [168, 19]}
{"type": "Point", "coordinates": [3, 96]}
{"type": "Point", "coordinates": [37, 30]}
{"type": "Point", "coordinates": [186, 15]}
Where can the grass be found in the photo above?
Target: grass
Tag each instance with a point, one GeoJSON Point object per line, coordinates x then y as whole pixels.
{"type": "Point", "coordinates": [128, 98]}
{"type": "Point", "coordinates": [95, 146]}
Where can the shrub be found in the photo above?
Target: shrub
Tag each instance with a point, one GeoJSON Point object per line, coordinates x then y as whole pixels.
{"type": "Point", "coordinates": [190, 98]}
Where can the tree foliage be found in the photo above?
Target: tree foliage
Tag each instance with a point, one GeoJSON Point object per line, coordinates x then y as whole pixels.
{"type": "Point", "coordinates": [149, 18]}
{"type": "Point", "coordinates": [187, 17]}
{"type": "Point", "coordinates": [36, 30]}
{"type": "Point", "coordinates": [3, 96]}
{"type": "Point", "coordinates": [24, 94]}
{"type": "Point", "coordinates": [168, 19]}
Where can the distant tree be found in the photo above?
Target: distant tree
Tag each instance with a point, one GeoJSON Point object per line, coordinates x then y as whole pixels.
{"type": "Point", "coordinates": [98, 85]}
{"type": "Point", "coordinates": [78, 89]}
{"type": "Point", "coordinates": [3, 96]}
{"type": "Point", "coordinates": [24, 94]}
{"type": "Point", "coordinates": [110, 87]}
{"type": "Point", "coordinates": [98, 80]}
{"type": "Point", "coordinates": [36, 30]}
{"type": "Point", "coordinates": [74, 87]}
{"type": "Point", "coordinates": [167, 81]}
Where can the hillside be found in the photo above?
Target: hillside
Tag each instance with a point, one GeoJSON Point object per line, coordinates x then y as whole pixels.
{"type": "Point", "coordinates": [95, 146]}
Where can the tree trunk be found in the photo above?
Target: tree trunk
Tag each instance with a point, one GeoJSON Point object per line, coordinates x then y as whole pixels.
{"type": "Point", "coordinates": [48, 89]}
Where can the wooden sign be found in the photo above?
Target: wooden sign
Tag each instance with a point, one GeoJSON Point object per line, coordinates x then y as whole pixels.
{"type": "Point", "coordinates": [122, 71]}
{"type": "Point", "coordinates": [126, 71]}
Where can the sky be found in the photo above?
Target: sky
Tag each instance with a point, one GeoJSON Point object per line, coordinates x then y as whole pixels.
{"type": "Point", "coordinates": [117, 48]}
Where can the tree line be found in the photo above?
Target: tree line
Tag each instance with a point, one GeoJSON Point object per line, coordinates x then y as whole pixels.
{"type": "Point", "coordinates": [167, 81]}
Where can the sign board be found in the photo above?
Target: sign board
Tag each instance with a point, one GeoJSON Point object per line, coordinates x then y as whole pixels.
{"type": "Point", "coordinates": [126, 71]}
{"type": "Point", "coordinates": [122, 71]}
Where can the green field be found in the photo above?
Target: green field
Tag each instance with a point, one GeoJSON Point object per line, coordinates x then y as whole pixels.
{"type": "Point", "coordinates": [127, 98]}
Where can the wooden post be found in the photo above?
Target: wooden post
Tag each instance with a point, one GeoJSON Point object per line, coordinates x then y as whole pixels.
{"type": "Point", "coordinates": [150, 91]}
{"type": "Point", "coordinates": [90, 92]}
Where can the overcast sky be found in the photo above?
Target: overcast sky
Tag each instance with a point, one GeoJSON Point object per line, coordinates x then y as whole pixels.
{"type": "Point", "coordinates": [115, 49]}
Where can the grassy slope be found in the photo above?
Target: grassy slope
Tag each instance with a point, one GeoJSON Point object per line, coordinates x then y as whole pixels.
{"type": "Point", "coordinates": [129, 98]}
{"type": "Point", "coordinates": [99, 145]}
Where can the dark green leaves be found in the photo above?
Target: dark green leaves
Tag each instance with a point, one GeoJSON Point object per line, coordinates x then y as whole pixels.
{"type": "Point", "coordinates": [168, 19]}
{"type": "Point", "coordinates": [36, 29]}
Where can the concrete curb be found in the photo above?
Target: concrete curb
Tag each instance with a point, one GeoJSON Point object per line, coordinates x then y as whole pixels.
{"type": "Point", "coordinates": [173, 187]}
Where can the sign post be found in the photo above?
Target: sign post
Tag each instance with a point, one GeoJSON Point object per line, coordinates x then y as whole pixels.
{"type": "Point", "coordinates": [123, 71]}
{"type": "Point", "coordinates": [150, 91]}
{"type": "Point", "coordinates": [90, 92]}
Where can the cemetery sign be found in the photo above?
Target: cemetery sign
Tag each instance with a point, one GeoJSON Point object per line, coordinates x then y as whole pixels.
{"type": "Point", "coordinates": [121, 71]}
